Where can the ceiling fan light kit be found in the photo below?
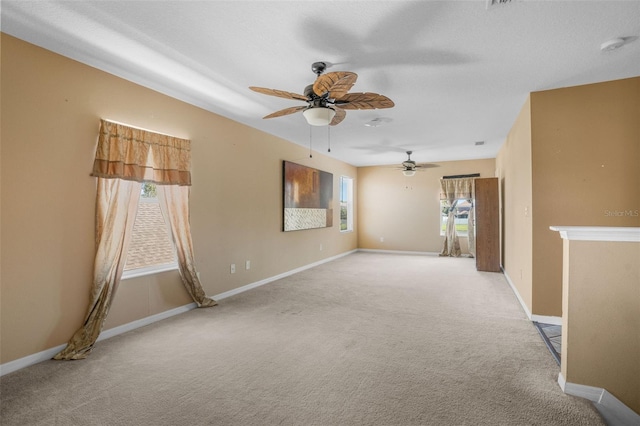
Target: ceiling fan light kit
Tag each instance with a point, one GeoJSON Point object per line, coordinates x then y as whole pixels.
{"type": "Point", "coordinates": [319, 116]}
{"type": "Point", "coordinates": [410, 167]}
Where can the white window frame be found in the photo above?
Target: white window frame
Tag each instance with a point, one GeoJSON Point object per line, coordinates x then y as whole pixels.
{"type": "Point", "coordinates": [149, 270]}
{"type": "Point", "coordinates": [348, 202]}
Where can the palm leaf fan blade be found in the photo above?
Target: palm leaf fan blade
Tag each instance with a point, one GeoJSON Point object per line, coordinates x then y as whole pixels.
{"type": "Point", "coordinates": [278, 93]}
{"type": "Point", "coordinates": [364, 101]}
{"type": "Point", "coordinates": [285, 111]}
{"type": "Point", "coordinates": [336, 83]}
{"type": "Point", "coordinates": [340, 115]}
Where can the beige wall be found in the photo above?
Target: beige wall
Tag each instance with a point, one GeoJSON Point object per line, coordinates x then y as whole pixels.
{"type": "Point", "coordinates": [584, 154]}
{"type": "Point", "coordinates": [51, 108]}
{"type": "Point", "coordinates": [513, 164]}
{"type": "Point", "coordinates": [405, 211]}
{"type": "Point", "coordinates": [571, 156]}
{"type": "Point", "coordinates": [601, 325]}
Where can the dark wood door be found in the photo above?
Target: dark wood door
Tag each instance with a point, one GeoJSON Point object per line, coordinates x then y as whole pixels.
{"type": "Point", "coordinates": [487, 225]}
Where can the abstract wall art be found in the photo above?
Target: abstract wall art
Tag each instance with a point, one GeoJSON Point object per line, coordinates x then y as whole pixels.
{"type": "Point", "coordinates": [308, 197]}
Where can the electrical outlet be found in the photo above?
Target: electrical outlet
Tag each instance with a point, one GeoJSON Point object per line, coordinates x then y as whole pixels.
{"type": "Point", "coordinates": [382, 239]}
{"type": "Point", "coordinates": [320, 247]}
{"type": "Point", "coordinates": [247, 265]}
{"type": "Point", "coordinates": [233, 268]}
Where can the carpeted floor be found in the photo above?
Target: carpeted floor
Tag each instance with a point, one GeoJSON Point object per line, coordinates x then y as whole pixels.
{"type": "Point", "coordinates": [368, 339]}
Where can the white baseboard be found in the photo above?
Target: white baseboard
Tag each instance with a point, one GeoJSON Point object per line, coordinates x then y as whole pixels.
{"type": "Point", "coordinates": [20, 363]}
{"type": "Point", "coordinates": [417, 253]}
{"type": "Point", "coordinates": [588, 392]}
{"type": "Point", "coordinates": [618, 414]}
{"type": "Point", "coordinates": [277, 277]}
{"type": "Point", "coordinates": [106, 334]}
{"type": "Point", "coordinates": [546, 319]}
{"type": "Point", "coordinates": [11, 366]}
{"type": "Point", "coordinates": [15, 365]}
{"type": "Point", "coordinates": [515, 291]}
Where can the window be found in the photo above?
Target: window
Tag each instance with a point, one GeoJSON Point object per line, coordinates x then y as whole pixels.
{"type": "Point", "coordinates": [151, 249]}
{"type": "Point", "coordinates": [346, 204]}
{"type": "Point", "coordinates": [462, 207]}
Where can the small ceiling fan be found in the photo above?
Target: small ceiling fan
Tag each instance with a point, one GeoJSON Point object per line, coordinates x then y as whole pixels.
{"type": "Point", "coordinates": [410, 167]}
{"type": "Point", "coordinates": [327, 98]}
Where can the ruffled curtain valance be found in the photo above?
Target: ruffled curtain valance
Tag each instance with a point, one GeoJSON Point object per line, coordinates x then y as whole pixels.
{"type": "Point", "coordinates": [139, 155]}
{"type": "Point", "coordinates": [453, 189]}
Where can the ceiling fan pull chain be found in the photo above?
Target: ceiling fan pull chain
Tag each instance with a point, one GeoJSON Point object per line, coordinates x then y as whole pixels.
{"type": "Point", "coordinates": [329, 137]}
{"type": "Point", "coordinates": [310, 137]}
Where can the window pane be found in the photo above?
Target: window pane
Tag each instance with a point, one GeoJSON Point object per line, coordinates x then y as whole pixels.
{"type": "Point", "coordinates": [148, 190]}
{"type": "Point", "coordinates": [150, 243]}
{"type": "Point", "coordinates": [461, 215]}
{"type": "Point", "coordinates": [346, 204]}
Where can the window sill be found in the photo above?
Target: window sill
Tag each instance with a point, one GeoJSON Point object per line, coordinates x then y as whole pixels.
{"type": "Point", "coordinates": [150, 270]}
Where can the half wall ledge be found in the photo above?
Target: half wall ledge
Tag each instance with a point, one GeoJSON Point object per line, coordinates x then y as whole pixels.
{"type": "Point", "coordinates": [598, 233]}
{"type": "Point", "coordinates": [601, 319]}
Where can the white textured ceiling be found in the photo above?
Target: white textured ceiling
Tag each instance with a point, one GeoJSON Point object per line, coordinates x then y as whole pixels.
{"type": "Point", "coordinates": [458, 71]}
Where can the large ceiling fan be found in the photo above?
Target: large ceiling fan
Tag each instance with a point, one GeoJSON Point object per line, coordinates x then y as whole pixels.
{"type": "Point", "coordinates": [410, 167]}
{"type": "Point", "coordinates": [327, 98]}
